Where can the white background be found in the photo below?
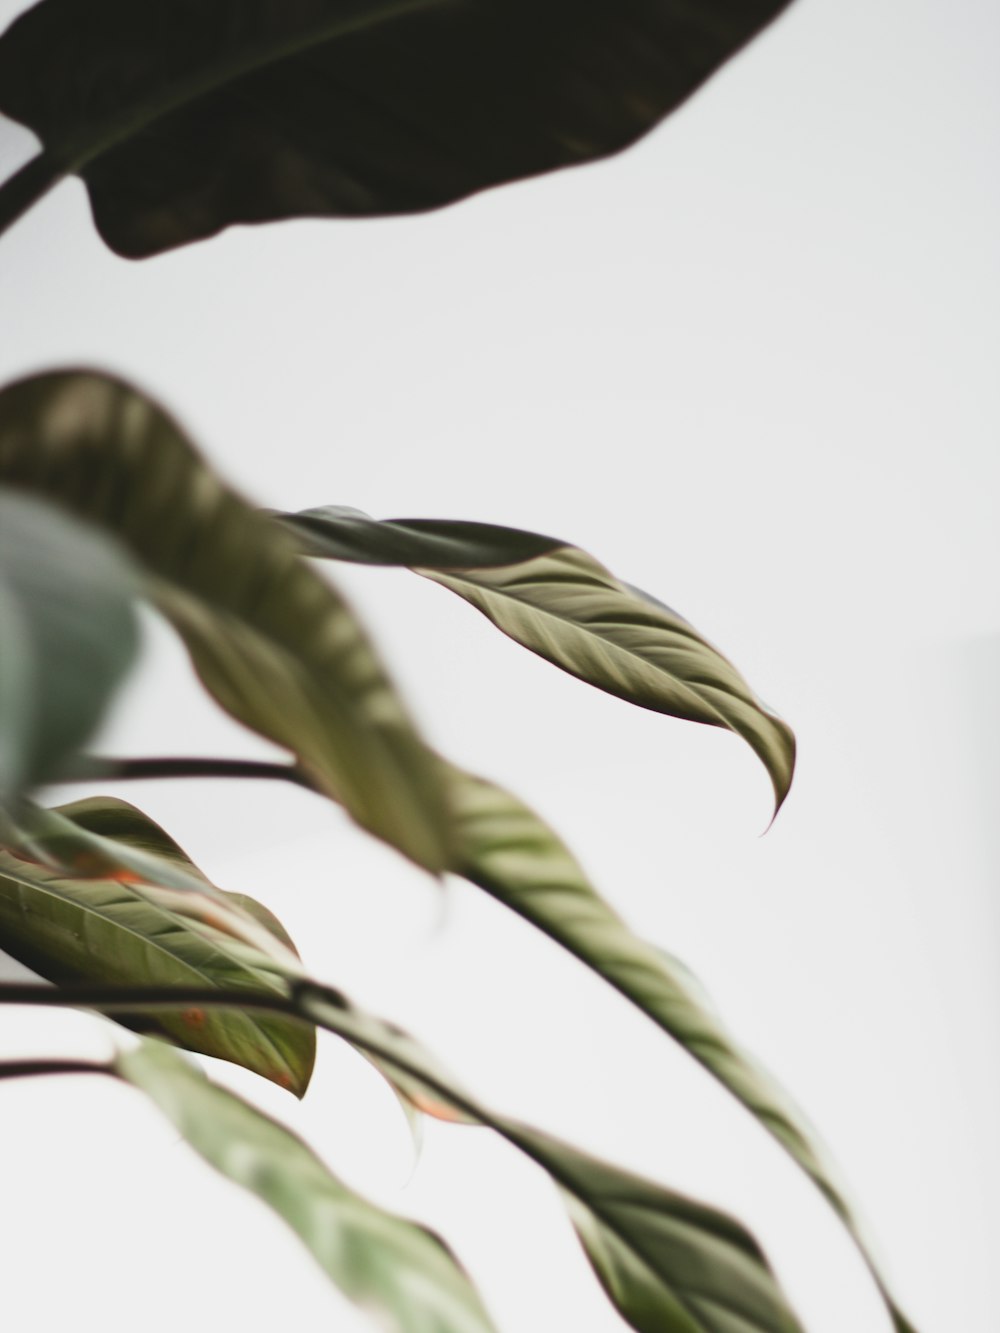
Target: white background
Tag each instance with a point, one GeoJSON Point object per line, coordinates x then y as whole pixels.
{"type": "Point", "coordinates": [750, 365]}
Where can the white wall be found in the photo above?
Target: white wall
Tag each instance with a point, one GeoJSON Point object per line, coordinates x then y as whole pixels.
{"type": "Point", "coordinates": [750, 365]}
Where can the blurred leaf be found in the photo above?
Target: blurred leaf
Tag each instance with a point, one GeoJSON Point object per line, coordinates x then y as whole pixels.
{"type": "Point", "coordinates": [273, 642]}
{"type": "Point", "coordinates": [395, 1269]}
{"type": "Point", "coordinates": [67, 637]}
{"type": "Point", "coordinates": [185, 118]}
{"type": "Point", "coordinates": [114, 931]}
{"type": "Point", "coordinates": [559, 602]}
{"type": "Point", "coordinates": [668, 1265]}
{"type": "Point", "coordinates": [520, 861]}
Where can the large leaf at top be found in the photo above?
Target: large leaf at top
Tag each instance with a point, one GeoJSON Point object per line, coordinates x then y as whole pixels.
{"type": "Point", "coordinates": [562, 604]}
{"type": "Point", "coordinates": [669, 1265]}
{"type": "Point", "coordinates": [273, 642]}
{"type": "Point", "coordinates": [520, 861]}
{"type": "Point", "coordinates": [114, 930]}
{"type": "Point", "coordinates": [399, 1271]}
{"type": "Point", "coordinates": [186, 117]}
{"type": "Point", "coordinates": [67, 636]}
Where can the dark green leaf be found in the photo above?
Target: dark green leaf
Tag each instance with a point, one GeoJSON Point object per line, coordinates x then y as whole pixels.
{"type": "Point", "coordinates": [116, 930]}
{"type": "Point", "coordinates": [67, 636]}
{"type": "Point", "coordinates": [562, 604]}
{"type": "Point", "coordinates": [515, 857]}
{"type": "Point", "coordinates": [184, 118]}
{"type": "Point", "coordinates": [272, 641]}
{"type": "Point", "coordinates": [399, 1271]}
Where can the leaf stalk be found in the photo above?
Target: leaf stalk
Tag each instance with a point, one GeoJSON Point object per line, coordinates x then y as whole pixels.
{"type": "Point", "coordinates": [26, 187]}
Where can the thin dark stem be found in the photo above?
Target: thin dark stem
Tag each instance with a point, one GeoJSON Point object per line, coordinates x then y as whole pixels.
{"type": "Point", "coordinates": [27, 185]}
{"type": "Point", "coordinates": [111, 998]}
{"type": "Point", "coordinates": [31, 1068]}
{"type": "Point", "coordinates": [297, 1003]}
{"type": "Point", "coordinates": [90, 768]}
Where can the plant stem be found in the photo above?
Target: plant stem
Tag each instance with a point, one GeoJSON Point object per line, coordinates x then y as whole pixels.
{"type": "Point", "coordinates": [27, 185]}
{"type": "Point", "coordinates": [89, 768]}
{"type": "Point", "coordinates": [111, 998]}
{"type": "Point", "coordinates": [30, 1068]}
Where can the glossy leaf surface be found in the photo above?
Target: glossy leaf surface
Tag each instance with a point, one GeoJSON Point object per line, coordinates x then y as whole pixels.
{"type": "Point", "coordinates": [520, 861]}
{"type": "Point", "coordinates": [562, 604]}
{"type": "Point", "coordinates": [67, 636]}
{"type": "Point", "coordinates": [399, 1271]}
{"type": "Point", "coordinates": [273, 642]}
{"type": "Point", "coordinates": [186, 117]}
{"type": "Point", "coordinates": [114, 930]}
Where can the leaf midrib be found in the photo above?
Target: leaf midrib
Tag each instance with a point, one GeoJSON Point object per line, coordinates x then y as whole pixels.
{"type": "Point", "coordinates": [76, 153]}
{"type": "Point", "coordinates": [53, 892]}
{"type": "Point", "coordinates": [627, 654]}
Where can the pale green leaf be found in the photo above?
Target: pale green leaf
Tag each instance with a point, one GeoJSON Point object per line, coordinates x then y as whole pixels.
{"type": "Point", "coordinates": [399, 1271]}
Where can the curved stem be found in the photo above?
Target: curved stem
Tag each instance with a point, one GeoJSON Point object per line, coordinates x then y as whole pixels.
{"type": "Point", "coordinates": [89, 768]}
{"type": "Point", "coordinates": [19, 192]}
{"type": "Point", "coordinates": [300, 1002]}
{"type": "Point", "coordinates": [30, 1068]}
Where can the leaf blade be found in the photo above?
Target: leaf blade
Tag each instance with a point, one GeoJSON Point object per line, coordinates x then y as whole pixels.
{"type": "Point", "coordinates": [275, 644]}
{"type": "Point", "coordinates": [516, 858]}
{"type": "Point", "coordinates": [98, 930]}
{"type": "Point", "coordinates": [381, 1261]}
{"type": "Point", "coordinates": [68, 636]}
{"type": "Point", "coordinates": [712, 1247]}
{"type": "Point", "coordinates": [186, 119]}
{"type": "Point", "coordinates": [562, 604]}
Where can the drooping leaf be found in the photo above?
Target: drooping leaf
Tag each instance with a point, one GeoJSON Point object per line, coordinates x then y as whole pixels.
{"type": "Point", "coordinates": [668, 1264]}
{"type": "Point", "coordinates": [274, 643]}
{"type": "Point", "coordinates": [562, 604]}
{"type": "Point", "coordinates": [512, 854]}
{"type": "Point", "coordinates": [84, 930]}
{"type": "Point", "coordinates": [184, 118]}
{"type": "Point", "coordinates": [67, 636]}
{"type": "Point", "coordinates": [401, 1272]}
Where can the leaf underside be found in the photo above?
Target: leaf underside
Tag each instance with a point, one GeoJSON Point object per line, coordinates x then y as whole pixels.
{"type": "Point", "coordinates": [185, 118]}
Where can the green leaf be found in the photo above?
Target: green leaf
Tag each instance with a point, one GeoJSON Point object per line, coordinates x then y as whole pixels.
{"type": "Point", "coordinates": [399, 1271]}
{"type": "Point", "coordinates": [520, 861]}
{"type": "Point", "coordinates": [117, 931]}
{"type": "Point", "coordinates": [559, 602]}
{"type": "Point", "coordinates": [668, 1264]}
{"type": "Point", "coordinates": [185, 118]}
{"type": "Point", "coordinates": [68, 635]}
{"type": "Point", "coordinates": [274, 643]}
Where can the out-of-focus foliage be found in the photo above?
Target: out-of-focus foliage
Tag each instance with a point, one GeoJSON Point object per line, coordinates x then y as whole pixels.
{"type": "Point", "coordinates": [67, 637]}
{"type": "Point", "coordinates": [184, 118]}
